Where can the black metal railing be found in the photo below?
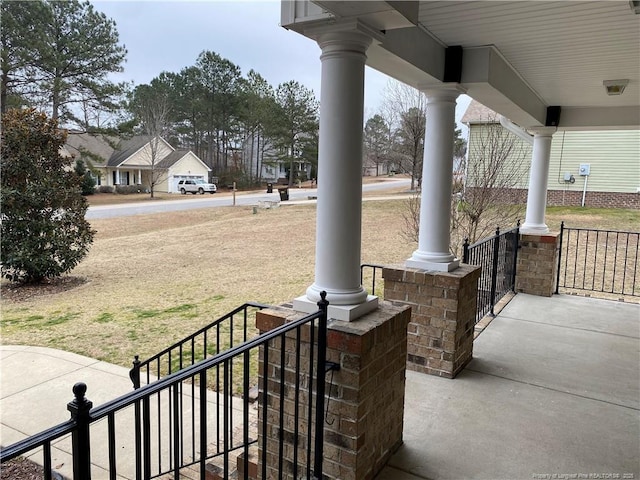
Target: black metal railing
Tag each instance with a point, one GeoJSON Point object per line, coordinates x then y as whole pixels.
{"type": "Point", "coordinates": [497, 256]}
{"type": "Point", "coordinates": [220, 335]}
{"type": "Point", "coordinates": [137, 447]}
{"type": "Point", "coordinates": [598, 260]}
{"type": "Point", "coordinates": [370, 273]}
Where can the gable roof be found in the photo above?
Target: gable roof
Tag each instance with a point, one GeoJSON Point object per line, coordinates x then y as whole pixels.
{"type": "Point", "coordinates": [92, 145]}
{"type": "Point", "coordinates": [478, 113]}
{"type": "Point", "coordinates": [172, 158]}
{"type": "Point", "coordinates": [126, 148]}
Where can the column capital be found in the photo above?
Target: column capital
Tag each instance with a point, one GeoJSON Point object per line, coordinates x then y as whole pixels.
{"type": "Point", "coordinates": [542, 131]}
{"type": "Point", "coordinates": [349, 33]}
{"type": "Point", "coordinates": [444, 91]}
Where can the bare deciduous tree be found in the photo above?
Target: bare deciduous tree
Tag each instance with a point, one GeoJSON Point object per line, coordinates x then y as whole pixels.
{"type": "Point", "coordinates": [152, 108]}
{"type": "Point", "coordinates": [498, 162]}
{"type": "Point", "coordinates": [405, 110]}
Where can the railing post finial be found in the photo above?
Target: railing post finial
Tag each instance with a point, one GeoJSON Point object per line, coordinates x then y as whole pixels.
{"type": "Point", "coordinates": [323, 303]}
{"type": "Point", "coordinates": [134, 373]}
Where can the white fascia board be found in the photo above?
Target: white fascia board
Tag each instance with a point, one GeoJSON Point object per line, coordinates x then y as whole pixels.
{"type": "Point", "coordinates": [295, 14]}
{"type": "Point", "coordinates": [492, 81]}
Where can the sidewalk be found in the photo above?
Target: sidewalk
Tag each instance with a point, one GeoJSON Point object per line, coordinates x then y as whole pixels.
{"type": "Point", "coordinates": [36, 383]}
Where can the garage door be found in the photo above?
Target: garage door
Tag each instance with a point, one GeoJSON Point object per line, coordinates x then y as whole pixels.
{"type": "Point", "coordinates": [173, 181]}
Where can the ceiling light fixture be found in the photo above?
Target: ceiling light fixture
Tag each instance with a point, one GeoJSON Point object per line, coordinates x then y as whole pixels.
{"type": "Point", "coordinates": [615, 87]}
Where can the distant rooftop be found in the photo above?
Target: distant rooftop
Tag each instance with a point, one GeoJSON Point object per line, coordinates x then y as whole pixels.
{"type": "Point", "coordinates": [478, 113]}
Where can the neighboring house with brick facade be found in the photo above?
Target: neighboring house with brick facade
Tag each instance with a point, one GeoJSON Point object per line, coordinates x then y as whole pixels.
{"type": "Point", "coordinates": [611, 157]}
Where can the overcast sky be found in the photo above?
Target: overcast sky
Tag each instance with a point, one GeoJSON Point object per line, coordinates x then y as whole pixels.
{"type": "Point", "coordinates": [169, 35]}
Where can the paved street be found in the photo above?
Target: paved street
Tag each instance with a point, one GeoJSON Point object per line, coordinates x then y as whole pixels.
{"type": "Point", "coordinates": [221, 200]}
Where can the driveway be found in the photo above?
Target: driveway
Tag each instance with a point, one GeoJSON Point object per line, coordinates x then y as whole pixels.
{"type": "Point", "coordinates": [205, 201]}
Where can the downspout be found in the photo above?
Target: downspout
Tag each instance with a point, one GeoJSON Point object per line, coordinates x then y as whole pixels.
{"type": "Point", "coordinates": [516, 130]}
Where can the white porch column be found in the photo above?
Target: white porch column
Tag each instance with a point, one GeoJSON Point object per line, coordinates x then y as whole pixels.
{"type": "Point", "coordinates": [117, 177]}
{"type": "Point", "coordinates": [139, 182]}
{"type": "Point", "coordinates": [433, 251]}
{"type": "Point", "coordinates": [538, 178]}
{"type": "Point", "coordinates": [339, 207]}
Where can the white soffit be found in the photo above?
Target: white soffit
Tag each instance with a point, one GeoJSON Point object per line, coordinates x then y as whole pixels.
{"type": "Point", "coordinates": [564, 50]}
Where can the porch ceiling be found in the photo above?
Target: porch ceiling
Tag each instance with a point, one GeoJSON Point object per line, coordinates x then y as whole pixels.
{"type": "Point", "coordinates": [519, 57]}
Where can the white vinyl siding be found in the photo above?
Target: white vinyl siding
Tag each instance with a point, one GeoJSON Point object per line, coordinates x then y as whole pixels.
{"type": "Point", "coordinates": [483, 134]}
{"type": "Point", "coordinates": [613, 156]}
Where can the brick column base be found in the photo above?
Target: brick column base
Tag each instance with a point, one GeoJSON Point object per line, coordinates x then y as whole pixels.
{"type": "Point", "coordinates": [365, 411]}
{"type": "Point", "coordinates": [537, 264]}
{"type": "Point", "coordinates": [440, 335]}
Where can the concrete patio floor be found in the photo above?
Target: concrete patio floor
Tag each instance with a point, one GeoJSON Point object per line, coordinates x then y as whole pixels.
{"type": "Point", "coordinates": [553, 392]}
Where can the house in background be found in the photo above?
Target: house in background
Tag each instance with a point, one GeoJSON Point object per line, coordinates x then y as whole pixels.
{"type": "Point", "coordinates": [263, 161]}
{"type": "Point", "coordinates": [134, 161]}
{"type": "Point", "coordinates": [588, 168]}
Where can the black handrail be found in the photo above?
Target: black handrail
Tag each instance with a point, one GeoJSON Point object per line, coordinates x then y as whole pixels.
{"type": "Point", "coordinates": [596, 260]}
{"type": "Point", "coordinates": [84, 416]}
{"type": "Point", "coordinates": [165, 356]}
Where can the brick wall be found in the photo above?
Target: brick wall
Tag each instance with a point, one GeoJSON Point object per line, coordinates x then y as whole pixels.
{"type": "Point", "coordinates": [366, 405]}
{"type": "Point", "coordinates": [571, 198]}
{"type": "Point", "coordinates": [537, 264]}
{"type": "Point", "coordinates": [440, 334]}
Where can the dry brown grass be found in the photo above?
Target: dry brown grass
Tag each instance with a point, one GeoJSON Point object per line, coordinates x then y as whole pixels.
{"type": "Point", "coordinates": [153, 279]}
{"type": "Point", "coordinates": [150, 280]}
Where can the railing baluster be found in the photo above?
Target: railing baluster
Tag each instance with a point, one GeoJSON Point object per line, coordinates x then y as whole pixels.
{"type": "Point", "coordinates": [281, 407]}
{"type": "Point", "coordinates": [146, 437]}
{"type": "Point", "coordinates": [218, 390]}
{"type": "Point", "coordinates": [595, 256]}
{"type": "Point", "coordinates": [245, 411]}
{"type": "Point", "coordinates": [615, 263]}
{"type": "Point", "coordinates": [203, 424]}
{"type": "Point", "coordinates": [310, 399]}
{"type": "Point", "coordinates": [138, 439]}
{"type": "Point", "coordinates": [635, 269]}
{"type": "Point", "coordinates": [624, 269]}
{"type": "Point", "coordinates": [228, 412]}
{"type": "Point", "coordinates": [46, 460]}
{"type": "Point", "coordinates": [111, 445]}
{"type": "Point", "coordinates": [296, 406]}
{"type": "Point", "coordinates": [175, 432]}
{"type": "Point", "coordinates": [265, 407]}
